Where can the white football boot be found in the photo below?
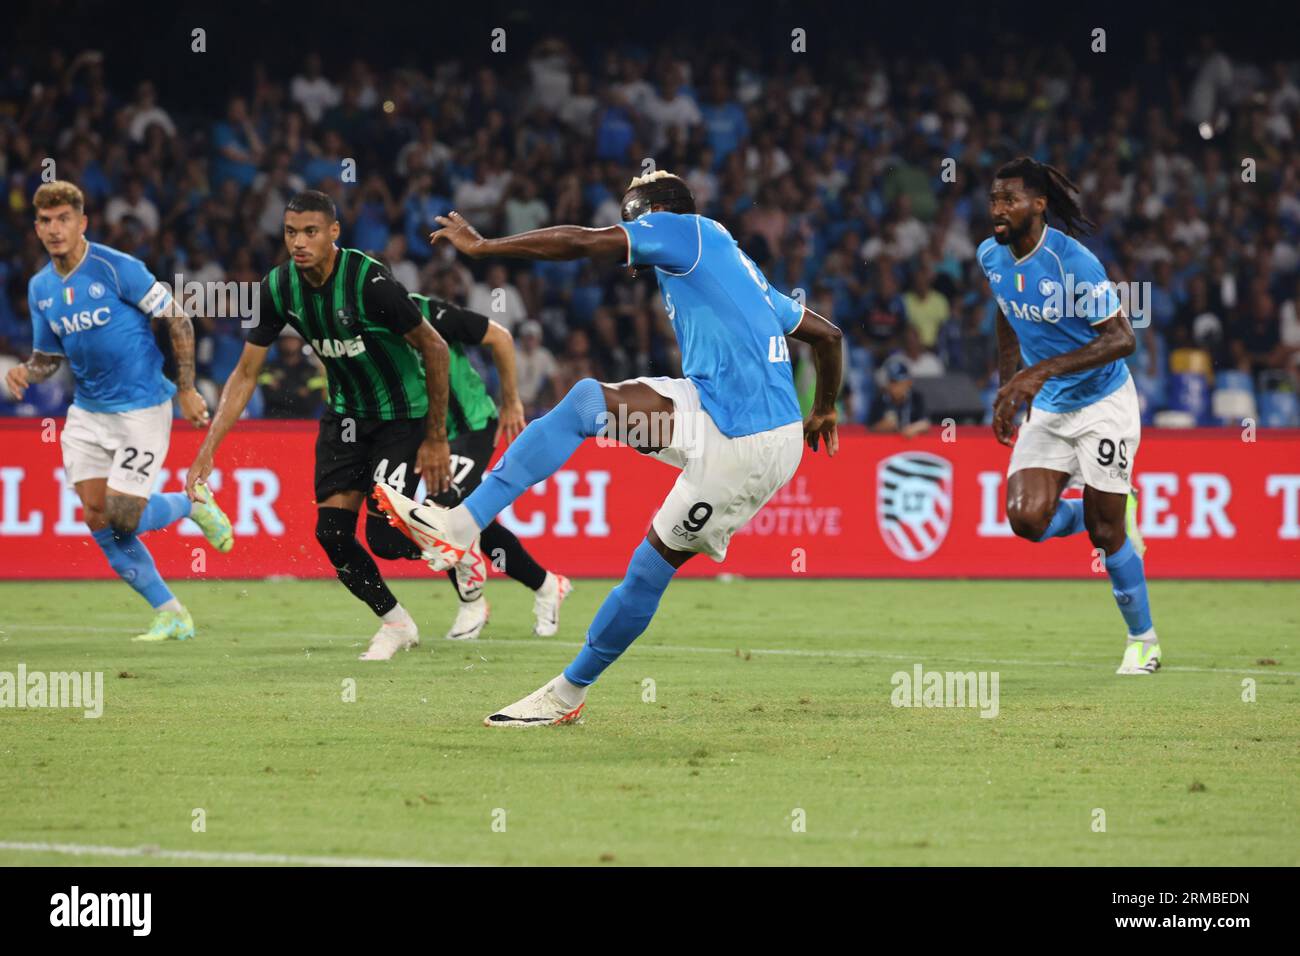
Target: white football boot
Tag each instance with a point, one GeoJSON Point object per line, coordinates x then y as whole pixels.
{"type": "Point", "coordinates": [470, 620]}
{"type": "Point", "coordinates": [542, 708]}
{"type": "Point", "coordinates": [391, 638]}
{"type": "Point", "coordinates": [1141, 657]}
{"type": "Point", "coordinates": [426, 525]}
{"type": "Point", "coordinates": [546, 605]}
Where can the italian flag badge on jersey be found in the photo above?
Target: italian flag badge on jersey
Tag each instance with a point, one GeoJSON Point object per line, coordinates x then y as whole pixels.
{"type": "Point", "coordinates": [67, 296]}
{"type": "Point", "coordinates": [1020, 282]}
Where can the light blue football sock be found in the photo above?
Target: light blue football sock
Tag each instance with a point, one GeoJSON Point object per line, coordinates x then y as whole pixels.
{"type": "Point", "coordinates": [134, 564]}
{"type": "Point", "coordinates": [625, 613]}
{"type": "Point", "coordinates": [162, 510]}
{"type": "Point", "coordinates": [1066, 520]}
{"type": "Point", "coordinates": [540, 450]}
{"type": "Point", "coordinates": [1129, 583]}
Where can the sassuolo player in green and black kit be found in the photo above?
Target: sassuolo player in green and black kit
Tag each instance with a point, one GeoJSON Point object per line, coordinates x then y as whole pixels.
{"type": "Point", "coordinates": [387, 370]}
{"type": "Point", "coordinates": [475, 428]}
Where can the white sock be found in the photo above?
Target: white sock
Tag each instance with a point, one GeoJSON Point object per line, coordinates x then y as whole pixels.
{"type": "Point", "coordinates": [572, 694]}
{"type": "Point", "coordinates": [548, 585]}
{"type": "Point", "coordinates": [397, 615]}
{"type": "Point", "coordinates": [460, 524]}
{"type": "Point", "coordinates": [172, 605]}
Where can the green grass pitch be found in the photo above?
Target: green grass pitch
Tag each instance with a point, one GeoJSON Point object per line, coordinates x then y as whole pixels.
{"type": "Point", "coordinates": [770, 739]}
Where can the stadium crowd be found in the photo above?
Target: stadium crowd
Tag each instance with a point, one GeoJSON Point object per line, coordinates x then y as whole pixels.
{"type": "Point", "coordinates": [832, 176]}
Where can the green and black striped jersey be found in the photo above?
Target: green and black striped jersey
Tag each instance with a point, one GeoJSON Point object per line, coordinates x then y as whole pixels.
{"type": "Point", "coordinates": [469, 406]}
{"type": "Point", "coordinates": [355, 322]}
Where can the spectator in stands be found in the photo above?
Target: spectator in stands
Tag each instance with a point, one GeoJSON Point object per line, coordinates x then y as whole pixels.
{"type": "Point", "coordinates": [535, 369]}
{"type": "Point", "coordinates": [927, 308]}
{"type": "Point", "coordinates": [293, 387]}
{"type": "Point", "coordinates": [829, 185]}
{"type": "Point", "coordinates": [498, 298]}
{"type": "Point", "coordinates": [897, 407]}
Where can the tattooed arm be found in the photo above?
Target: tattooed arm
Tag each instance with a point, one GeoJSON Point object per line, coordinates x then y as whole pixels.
{"type": "Point", "coordinates": [193, 407]}
{"type": "Point", "coordinates": [36, 369]}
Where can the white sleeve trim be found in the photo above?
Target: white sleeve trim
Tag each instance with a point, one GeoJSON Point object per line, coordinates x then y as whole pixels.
{"type": "Point", "coordinates": [628, 236]}
{"type": "Point", "coordinates": [699, 253]}
{"type": "Point", "coordinates": [803, 310]}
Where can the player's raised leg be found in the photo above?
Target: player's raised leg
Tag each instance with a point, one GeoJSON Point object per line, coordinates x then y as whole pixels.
{"type": "Point", "coordinates": [1104, 513]}
{"type": "Point", "coordinates": [112, 459]}
{"type": "Point", "coordinates": [1035, 509]}
{"type": "Point", "coordinates": [539, 451]}
{"type": "Point", "coordinates": [114, 532]}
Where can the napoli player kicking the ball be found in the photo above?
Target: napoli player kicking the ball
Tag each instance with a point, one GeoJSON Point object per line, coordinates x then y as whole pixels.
{"type": "Point", "coordinates": [1061, 315]}
{"type": "Point", "coordinates": [732, 424]}
{"type": "Point", "coordinates": [93, 306]}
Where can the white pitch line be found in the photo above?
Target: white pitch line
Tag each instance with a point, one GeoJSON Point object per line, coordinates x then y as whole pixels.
{"type": "Point", "coordinates": [205, 856]}
{"type": "Point", "coordinates": [731, 651]}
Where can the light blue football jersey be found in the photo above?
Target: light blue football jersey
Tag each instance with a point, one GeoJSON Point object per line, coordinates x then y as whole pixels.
{"type": "Point", "coordinates": [98, 317]}
{"type": "Point", "coordinates": [729, 321]}
{"type": "Point", "coordinates": [1053, 297]}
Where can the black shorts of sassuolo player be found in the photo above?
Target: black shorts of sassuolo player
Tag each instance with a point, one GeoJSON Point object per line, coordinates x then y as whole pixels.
{"type": "Point", "coordinates": [470, 454]}
{"type": "Point", "coordinates": [353, 453]}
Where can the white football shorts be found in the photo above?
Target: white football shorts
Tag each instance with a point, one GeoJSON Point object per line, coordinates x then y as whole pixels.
{"type": "Point", "coordinates": [1095, 445]}
{"type": "Point", "coordinates": [127, 448]}
{"type": "Point", "coordinates": [724, 481]}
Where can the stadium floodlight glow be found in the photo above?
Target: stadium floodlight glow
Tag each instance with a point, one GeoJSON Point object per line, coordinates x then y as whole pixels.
{"type": "Point", "coordinates": [1206, 131]}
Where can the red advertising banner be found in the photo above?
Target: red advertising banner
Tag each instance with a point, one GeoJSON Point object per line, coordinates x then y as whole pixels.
{"type": "Point", "coordinates": [1213, 505]}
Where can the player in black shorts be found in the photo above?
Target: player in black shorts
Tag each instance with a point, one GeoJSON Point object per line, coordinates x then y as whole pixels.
{"type": "Point", "coordinates": [387, 371]}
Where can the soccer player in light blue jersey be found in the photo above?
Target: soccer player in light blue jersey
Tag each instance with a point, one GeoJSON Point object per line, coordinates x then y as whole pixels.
{"type": "Point", "coordinates": [93, 307]}
{"type": "Point", "coordinates": [1062, 318]}
{"type": "Point", "coordinates": [731, 423]}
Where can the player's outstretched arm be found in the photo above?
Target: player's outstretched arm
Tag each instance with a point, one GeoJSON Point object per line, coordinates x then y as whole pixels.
{"type": "Point", "coordinates": [553, 242]}
{"type": "Point", "coordinates": [234, 399]}
{"type": "Point", "coordinates": [181, 329]}
{"type": "Point", "coordinates": [1114, 340]}
{"type": "Point", "coordinates": [825, 339]}
{"type": "Point", "coordinates": [502, 345]}
{"type": "Point", "coordinates": [36, 369]}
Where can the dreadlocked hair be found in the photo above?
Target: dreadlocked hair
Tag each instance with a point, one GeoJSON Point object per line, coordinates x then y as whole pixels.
{"type": "Point", "coordinates": [1060, 192]}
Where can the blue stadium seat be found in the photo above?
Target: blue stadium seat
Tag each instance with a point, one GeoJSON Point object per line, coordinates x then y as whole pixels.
{"type": "Point", "coordinates": [1279, 410]}
{"type": "Point", "coordinates": [1189, 392]}
{"type": "Point", "coordinates": [1233, 378]}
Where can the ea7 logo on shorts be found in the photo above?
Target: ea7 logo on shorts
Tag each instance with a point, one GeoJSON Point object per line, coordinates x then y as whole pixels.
{"type": "Point", "coordinates": [914, 503]}
{"type": "Point", "coordinates": [778, 350]}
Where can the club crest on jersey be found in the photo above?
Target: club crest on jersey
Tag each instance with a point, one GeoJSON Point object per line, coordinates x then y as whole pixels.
{"type": "Point", "coordinates": [914, 503]}
{"type": "Point", "coordinates": [96, 290]}
{"type": "Point", "coordinates": [345, 318]}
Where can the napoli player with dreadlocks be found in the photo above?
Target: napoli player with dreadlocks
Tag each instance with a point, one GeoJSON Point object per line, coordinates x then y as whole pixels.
{"type": "Point", "coordinates": [1062, 318]}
